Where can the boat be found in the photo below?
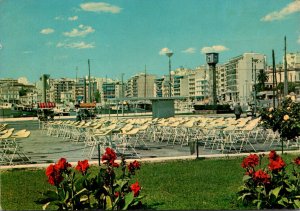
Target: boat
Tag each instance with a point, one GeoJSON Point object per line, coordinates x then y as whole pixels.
{"type": "Point", "coordinates": [16, 110]}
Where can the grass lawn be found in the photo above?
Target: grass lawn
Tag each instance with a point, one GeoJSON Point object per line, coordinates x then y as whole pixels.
{"type": "Point", "coordinates": [188, 184]}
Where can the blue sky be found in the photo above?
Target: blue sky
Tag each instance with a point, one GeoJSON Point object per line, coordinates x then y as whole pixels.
{"type": "Point", "coordinates": [122, 36]}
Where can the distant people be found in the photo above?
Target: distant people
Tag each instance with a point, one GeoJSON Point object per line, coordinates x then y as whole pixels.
{"type": "Point", "coordinates": [78, 117]}
{"type": "Point", "coordinates": [237, 111]}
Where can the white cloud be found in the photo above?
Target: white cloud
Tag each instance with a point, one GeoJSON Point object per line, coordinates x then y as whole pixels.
{"type": "Point", "coordinates": [59, 18]}
{"type": "Point", "coordinates": [214, 48]}
{"type": "Point", "coordinates": [27, 52]}
{"type": "Point", "coordinates": [100, 7]}
{"type": "Point", "coordinates": [287, 10]}
{"type": "Point", "coordinates": [77, 45]}
{"type": "Point", "coordinates": [80, 32]}
{"type": "Point", "coordinates": [189, 50]}
{"type": "Point", "coordinates": [47, 31]}
{"type": "Point", "coordinates": [163, 51]}
{"type": "Point", "coordinates": [74, 18]}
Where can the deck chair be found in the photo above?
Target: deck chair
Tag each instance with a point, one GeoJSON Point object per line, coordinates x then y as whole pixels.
{"type": "Point", "coordinates": [127, 144]}
{"type": "Point", "coordinates": [95, 139]}
{"type": "Point", "coordinates": [13, 150]}
{"type": "Point", "coordinates": [4, 147]}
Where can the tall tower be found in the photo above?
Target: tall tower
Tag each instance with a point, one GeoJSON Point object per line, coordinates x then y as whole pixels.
{"type": "Point", "coordinates": [212, 59]}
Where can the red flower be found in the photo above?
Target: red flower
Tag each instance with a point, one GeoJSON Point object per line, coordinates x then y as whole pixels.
{"type": "Point", "coordinates": [133, 166]}
{"type": "Point", "coordinates": [109, 157]}
{"type": "Point", "coordinates": [261, 176]}
{"type": "Point", "coordinates": [82, 166]}
{"type": "Point", "coordinates": [135, 187]}
{"type": "Point", "coordinates": [117, 194]}
{"type": "Point", "coordinates": [136, 164]}
{"type": "Point", "coordinates": [250, 172]}
{"type": "Point", "coordinates": [62, 164]}
{"type": "Point", "coordinates": [54, 175]}
{"type": "Point", "coordinates": [276, 165]}
{"type": "Point", "coordinates": [250, 161]}
{"type": "Point", "coordinates": [297, 161]}
{"type": "Point", "coordinates": [273, 155]}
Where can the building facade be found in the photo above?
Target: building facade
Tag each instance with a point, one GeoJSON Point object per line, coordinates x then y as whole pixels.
{"type": "Point", "coordinates": [237, 77]}
{"type": "Point", "coordinates": [141, 85]}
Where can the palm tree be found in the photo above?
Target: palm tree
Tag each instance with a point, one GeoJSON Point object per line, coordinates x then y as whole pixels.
{"type": "Point", "coordinates": [262, 78]}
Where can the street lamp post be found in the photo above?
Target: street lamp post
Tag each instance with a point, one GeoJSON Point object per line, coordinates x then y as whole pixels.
{"type": "Point", "coordinates": [169, 54]}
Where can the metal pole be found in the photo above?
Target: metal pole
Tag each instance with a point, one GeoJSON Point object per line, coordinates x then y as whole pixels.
{"type": "Point", "coordinates": [285, 91]}
{"type": "Point", "coordinates": [99, 155]}
{"type": "Point", "coordinates": [84, 90]}
{"type": "Point", "coordinates": [90, 94]}
{"type": "Point", "coordinates": [169, 54]}
{"type": "Point", "coordinates": [170, 94]}
{"type": "Point", "coordinates": [197, 148]}
{"type": "Point", "coordinates": [255, 88]}
{"type": "Point", "coordinates": [122, 95]}
{"type": "Point", "coordinates": [273, 60]}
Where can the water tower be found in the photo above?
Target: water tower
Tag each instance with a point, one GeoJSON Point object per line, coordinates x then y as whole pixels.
{"type": "Point", "coordinates": [212, 60]}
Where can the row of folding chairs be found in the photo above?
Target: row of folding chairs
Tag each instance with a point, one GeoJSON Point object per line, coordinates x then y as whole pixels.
{"type": "Point", "coordinates": [11, 152]}
{"type": "Point", "coordinates": [223, 134]}
{"type": "Point", "coordinates": [213, 133]}
{"type": "Point", "coordinates": [116, 133]}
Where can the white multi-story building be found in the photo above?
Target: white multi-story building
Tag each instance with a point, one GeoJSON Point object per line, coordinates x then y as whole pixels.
{"type": "Point", "coordinates": [59, 86]}
{"type": "Point", "coordinates": [293, 72]}
{"type": "Point", "coordinates": [198, 83]}
{"type": "Point", "coordinates": [293, 67]}
{"type": "Point", "coordinates": [236, 78]}
{"type": "Point", "coordinates": [140, 85]}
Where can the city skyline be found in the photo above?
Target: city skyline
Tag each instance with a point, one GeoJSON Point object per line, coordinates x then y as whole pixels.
{"type": "Point", "coordinates": [58, 38]}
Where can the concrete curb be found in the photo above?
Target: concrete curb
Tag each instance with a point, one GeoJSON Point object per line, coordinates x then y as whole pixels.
{"type": "Point", "coordinates": [149, 160]}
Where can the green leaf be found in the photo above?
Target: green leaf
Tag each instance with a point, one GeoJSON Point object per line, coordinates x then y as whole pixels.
{"type": "Point", "coordinates": [67, 196]}
{"type": "Point", "coordinates": [108, 203]}
{"type": "Point", "coordinates": [243, 196]}
{"type": "Point", "coordinates": [259, 202]}
{"type": "Point", "coordinates": [83, 198]}
{"type": "Point", "coordinates": [246, 178]}
{"type": "Point", "coordinates": [283, 201]}
{"type": "Point", "coordinates": [297, 203]}
{"type": "Point", "coordinates": [51, 195]}
{"type": "Point", "coordinates": [276, 191]}
{"type": "Point", "coordinates": [128, 200]}
{"type": "Point", "coordinates": [46, 205]}
{"type": "Point", "coordinates": [79, 192]}
{"type": "Point", "coordinates": [121, 182]}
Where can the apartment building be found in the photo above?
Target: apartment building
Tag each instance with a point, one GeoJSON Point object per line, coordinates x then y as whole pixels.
{"type": "Point", "coordinates": [293, 67]}
{"type": "Point", "coordinates": [236, 78]}
{"type": "Point", "coordinates": [158, 87]}
{"type": "Point", "coordinates": [198, 84]}
{"type": "Point", "coordinates": [10, 90]}
{"type": "Point", "coordinates": [81, 90]}
{"type": "Point", "coordinates": [141, 85]}
{"type": "Point", "coordinates": [59, 86]}
{"type": "Point", "coordinates": [293, 71]}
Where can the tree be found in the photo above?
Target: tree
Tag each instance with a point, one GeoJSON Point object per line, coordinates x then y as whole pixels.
{"type": "Point", "coordinates": [22, 92]}
{"type": "Point", "coordinates": [262, 78]}
{"type": "Point", "coordinates": [291, 87]}
{"type": "Point", "coordinates": [97, 96]}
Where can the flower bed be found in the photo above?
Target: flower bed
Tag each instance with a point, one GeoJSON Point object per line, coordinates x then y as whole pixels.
{"type": "Point", "coordinates": [273, 186]}
{"type": "Point", "coordinates": [76, 189]}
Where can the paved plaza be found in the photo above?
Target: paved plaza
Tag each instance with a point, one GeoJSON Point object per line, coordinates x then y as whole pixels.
{"type": "Point", "coordinates": [43, 149]}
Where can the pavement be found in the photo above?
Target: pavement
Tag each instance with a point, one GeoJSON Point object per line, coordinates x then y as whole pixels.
{"type": "Point", "coordinates": [42, 149]}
